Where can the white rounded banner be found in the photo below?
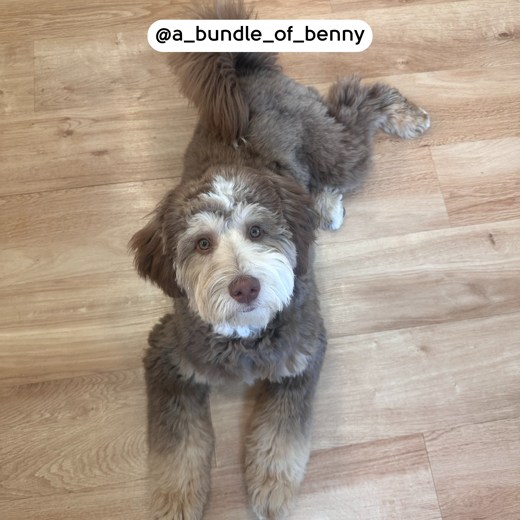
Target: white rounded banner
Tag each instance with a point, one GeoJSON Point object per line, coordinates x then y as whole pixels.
{"type": "Point", "coordinates": [260, 35]}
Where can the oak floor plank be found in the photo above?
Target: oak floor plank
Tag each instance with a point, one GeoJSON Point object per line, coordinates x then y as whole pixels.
{"type": "Point", "coordinates": [418, 279]}
{"type": "Point", "coordinates": [285, 9]}
{"type": "Point", "coordinates": [388, 479]}
{"type": "Point", "coordinates": [418, 38]}
{"type": "Point", "coordinates": [69, 435]}
{"type": "Point", "coordinates": [16, 78]}
{"type": "Point", "coordinates": [84, 149]}
{"type": "Point", "coordinates": [480, 181]}
{"type": "Point", "coordinates": [476, 470]}
{"type": "Point", "coordinates": [351, 5]}
{"type": "Point", "coordinates": [86, 230]}
{"type": "Point", "coordinates": [126, 501]}
{"type": "Point", "coordinates": [400, 195]}
{"type": "Point", "coordinates": [120, 71]}
{"type": "Point", "coordinates": [427, 378]}
{"type": "Point", "coordinates": [31, 20]}
{"type": "Point", "coordinates": [75, 326]}
{"type": "Point", "coordinates": [397, 383]}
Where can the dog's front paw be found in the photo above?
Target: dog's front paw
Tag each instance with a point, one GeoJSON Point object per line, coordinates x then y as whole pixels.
{"type": "Point", "coordinates": [179, 487]}
{"type": "Point", "coordinates": [329, 206]}
{"type": "Point", "coordinates": [273, 476]}
{"type": "Point", "coordinates": [271, 495]}
{"type": "Point", "coordinates": [172, 506]}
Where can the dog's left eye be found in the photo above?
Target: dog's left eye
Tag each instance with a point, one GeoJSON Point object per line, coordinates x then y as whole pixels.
{"type": "Point", "coordinates": [255, 232]}
{"type": "Point", "coordinates": [203, 245]}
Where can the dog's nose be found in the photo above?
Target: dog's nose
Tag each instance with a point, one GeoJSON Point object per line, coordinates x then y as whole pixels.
{"type": "Point", "coordinates": [244, 289]}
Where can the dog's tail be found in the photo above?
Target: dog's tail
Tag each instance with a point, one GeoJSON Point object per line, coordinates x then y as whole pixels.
{"type": "Point", "coordinates": [210, 80]}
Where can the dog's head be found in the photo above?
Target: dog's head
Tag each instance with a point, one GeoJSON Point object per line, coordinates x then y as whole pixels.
{"type": "Point", "coordinates": [232, 243]}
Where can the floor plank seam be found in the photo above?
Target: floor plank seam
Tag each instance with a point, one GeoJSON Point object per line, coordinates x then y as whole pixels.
{"type": "Point", "coordinates": [439, 185]}
{"type": "Point", "coordinates": [88, 186]}
{"type": "Point", "coordinates": [433, 478]}
{"type": "Point", "coordinates": [70, 492]}
{"type": "Point", "coordinates": [439, 323]}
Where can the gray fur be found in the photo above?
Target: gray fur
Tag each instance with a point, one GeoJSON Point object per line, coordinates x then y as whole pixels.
{"type": "Point", "coordinates": [291, 146]}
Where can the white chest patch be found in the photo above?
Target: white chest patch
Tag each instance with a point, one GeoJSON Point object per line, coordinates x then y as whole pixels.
{"type": "Point", "coordinates": [244, 332]}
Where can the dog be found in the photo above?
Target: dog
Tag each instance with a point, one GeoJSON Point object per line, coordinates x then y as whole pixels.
{"type": "Point", "coordinates": [232, 244]}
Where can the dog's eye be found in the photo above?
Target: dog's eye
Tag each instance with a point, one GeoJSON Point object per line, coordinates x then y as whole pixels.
{"type": "Point", "coordinates": [203, 244]}
{"type": "Point", "coordinates": [255, 232]}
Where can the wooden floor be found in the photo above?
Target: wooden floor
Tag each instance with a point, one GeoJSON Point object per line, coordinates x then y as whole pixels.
{"type": "Point", "coordinates": [418, 409]}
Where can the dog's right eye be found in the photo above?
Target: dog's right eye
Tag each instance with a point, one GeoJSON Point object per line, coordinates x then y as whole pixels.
{"type": "Point", "coordinates": [203, 245]}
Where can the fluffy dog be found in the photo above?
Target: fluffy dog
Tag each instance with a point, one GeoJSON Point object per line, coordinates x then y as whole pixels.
{"type": "Point", "coordinates": [233, 245]}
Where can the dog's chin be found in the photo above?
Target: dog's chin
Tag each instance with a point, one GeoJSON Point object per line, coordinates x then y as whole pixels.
{"type": "Point", "coordinates": [247, 322]}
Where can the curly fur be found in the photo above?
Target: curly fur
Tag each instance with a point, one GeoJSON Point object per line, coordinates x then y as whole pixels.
{"type": "Point", "coordinates": [271, 154]}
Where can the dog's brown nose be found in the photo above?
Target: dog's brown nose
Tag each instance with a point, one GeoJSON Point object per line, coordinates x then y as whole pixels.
{"type": "Point", "coordinates": [244, 289]}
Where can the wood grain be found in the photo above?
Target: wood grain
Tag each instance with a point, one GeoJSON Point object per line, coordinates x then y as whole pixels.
{"type": "Point", "coordinates": [480, 181]}
{"type": "Point", "coordinates": [419, 38]}
{"type": "Point", "coordinates": [126, 501]}
{"type": "Point", "coordinates": [388, 479]}
{"type": "Point", "coordinates": [476, 470]}
{"type": "Point", "coordinates": [397, 383]}
{"type": "Point", "coordinates": [82, 149]}
{"type": "Point", "coordinates": [17, 79]}
{"type": "Point", "coordinates": [400, 195]}
{"type": "Point", "coordinates": [32, 20]}
{"type": "Point", "coordinates": [350, 5]}
{"type": "Point", "coordinates": [86, 230]}
{"type": "Point", "coordinates": [419, 279]}
{"type": "Point", "coordinates": [71, 435]}
{"type": "Point", "coordinates": [76, 326]}
{"type": "Point", "coordinates": [122, 71]}
{"type": "Point", "coordinates": [285, 9]}
{"type": "Point", "coordinates": [56, 19]}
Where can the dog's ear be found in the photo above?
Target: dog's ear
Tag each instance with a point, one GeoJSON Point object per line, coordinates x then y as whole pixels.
{"type": "Point", "coordinates": [298, 211]}
{"type": "Point", "coordinates": [152, 260]}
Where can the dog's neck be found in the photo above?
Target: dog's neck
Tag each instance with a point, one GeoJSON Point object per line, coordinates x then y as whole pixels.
{"type": "Point", "coordinates": [249, 332]}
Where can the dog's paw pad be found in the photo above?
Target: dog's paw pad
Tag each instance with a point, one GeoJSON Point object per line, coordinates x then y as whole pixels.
{"type": "Point", "coordinates": [330, 209]}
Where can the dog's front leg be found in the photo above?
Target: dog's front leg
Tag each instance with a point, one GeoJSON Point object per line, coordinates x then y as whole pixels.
{"type": "Point", "coordinates": [181, 441]}
{"type": "Point", "coordinates": [278, 444]}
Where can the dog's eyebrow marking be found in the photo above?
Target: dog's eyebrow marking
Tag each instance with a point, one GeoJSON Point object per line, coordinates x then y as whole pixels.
{"type": "Point", "coordinates": [223, 192]}
{"type": "Point", "coordinates": [203, 222]}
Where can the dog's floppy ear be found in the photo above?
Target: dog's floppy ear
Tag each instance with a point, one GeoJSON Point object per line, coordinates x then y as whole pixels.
{"type": "Point", "coordinates": [298, 211]}
{"type": "Point", "coordinates": [152, 260]}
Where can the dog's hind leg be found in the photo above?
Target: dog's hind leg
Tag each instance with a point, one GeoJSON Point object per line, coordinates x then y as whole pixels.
{"type": "Point", "coordinates": [368, 108]}
{"type": "Point", "coordinates": [180, 438]}
{"type": "Point", "coordinates": [361, 110]}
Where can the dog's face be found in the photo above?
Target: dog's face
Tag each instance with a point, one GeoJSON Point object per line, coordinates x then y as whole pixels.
{"type": "Point", "coordinates": [232, 243]}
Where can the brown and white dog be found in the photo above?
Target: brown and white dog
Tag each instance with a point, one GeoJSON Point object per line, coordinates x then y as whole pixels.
{"type": "Point", "coordinates": [233, 245]}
